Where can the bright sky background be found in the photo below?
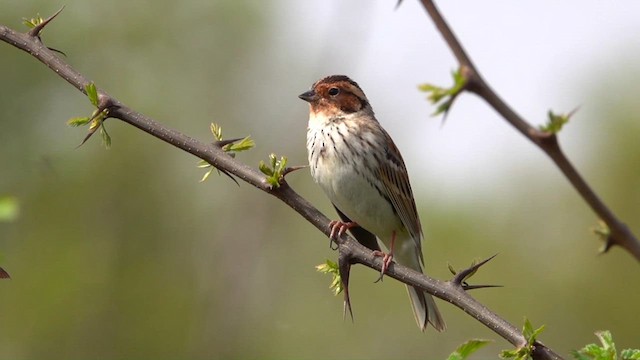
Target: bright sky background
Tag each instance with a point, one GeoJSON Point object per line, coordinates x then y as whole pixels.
{"type": "Point", "coordinates": [538, 55]}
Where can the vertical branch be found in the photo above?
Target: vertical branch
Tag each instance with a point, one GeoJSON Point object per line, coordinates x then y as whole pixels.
{"type": "Point", "coordinates": [620, 234]}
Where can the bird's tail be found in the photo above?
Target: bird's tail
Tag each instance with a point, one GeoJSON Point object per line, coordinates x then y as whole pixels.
{"type": "Point", "coordinates": [425, 309]}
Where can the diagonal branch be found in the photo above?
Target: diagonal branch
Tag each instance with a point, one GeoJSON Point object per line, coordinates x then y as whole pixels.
{"type": "Point", "coordinates": [351, 250]}
{"type": "Point", "coordinates": [620, 234]}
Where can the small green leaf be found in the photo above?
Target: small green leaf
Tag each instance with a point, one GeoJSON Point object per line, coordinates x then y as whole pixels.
{"type": "Point", "coordinates": [465, 350]}
{"type": "Point", "coordinates": [242, 145]}
{"type": "Point", "coordinates": [202, 164]}
{"type": "Point", "coordinates": [92, 93]}
{"type": "Point", "coordinates": [216, 130]}
{"type": "Point", "coordinates": [330, 267]}
{"type": "Point", "coordinates": [529, 333]}
{"type": "Point", "coordinates": [274, 170]}
{"type": "Point", "coordinates": [603, 232]}
{"type": "Point", "coordinates": [630, 354]}
{"type": "Point", "coordinates": [106, 138]}
{"type": "Point", "coordinates": [265, 169]}
{"type": "Point", "coordinates": [556, 121]}
{"type": "Point", "coordinates": [442, 97]}
{"type": "Point", "coordinates": [78, 121]}
{"type": "Point", "coordinates": [33, 22]}
{"type": "Point", "coordinates": [9, 208]}
{"type": "Point", "coordinates": [206, 175]}
{"type": "Point", "coordinates": [524, 352]}
{"type": "Point", "coordinates": [607, 351]}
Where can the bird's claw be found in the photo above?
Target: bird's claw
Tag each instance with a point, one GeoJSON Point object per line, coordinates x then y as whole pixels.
{"type": "Point", "coordinates": [337, 230]}
{"type": "Point", "coordinates": [386, 261]}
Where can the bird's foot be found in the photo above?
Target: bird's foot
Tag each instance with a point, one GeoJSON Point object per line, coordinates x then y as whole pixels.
{"type": "Point", "coordinates": [386, 261]}
{"type": "Point", "coordinates": [337, 230]}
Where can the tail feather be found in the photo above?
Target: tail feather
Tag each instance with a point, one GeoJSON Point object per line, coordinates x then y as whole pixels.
{"type": "Point", "coordinates": [425, 309]}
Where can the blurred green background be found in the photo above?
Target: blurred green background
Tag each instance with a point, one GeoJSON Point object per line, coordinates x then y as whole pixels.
{"type": "Point", "coordinates": [122, 253]}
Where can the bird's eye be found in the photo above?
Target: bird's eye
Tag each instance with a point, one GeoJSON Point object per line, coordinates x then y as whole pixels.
{"type": "Point", "coordinates": [334, 91]}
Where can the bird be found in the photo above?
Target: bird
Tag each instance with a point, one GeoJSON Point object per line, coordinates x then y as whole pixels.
{"type": "Point", "coordinates": [360, 169]}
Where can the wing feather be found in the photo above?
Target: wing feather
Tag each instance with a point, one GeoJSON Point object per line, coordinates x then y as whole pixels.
{"type": "Point", "coordinates": [395, 179]}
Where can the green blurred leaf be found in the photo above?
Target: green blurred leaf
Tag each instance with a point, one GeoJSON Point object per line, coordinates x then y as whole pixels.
{"type": "Point", "coordinates": [206, 175]}
{"type": "Point", "coordinates": [106, 138]}
{"type": "Point", "coordinates": [78, 121]}
{"type": "Point", "coordinates": [443, 97]}
{"type": "Point", "coordinates": [331, 267]}
{"type": "Point", "coordinates": [465, 350]}
{"type": "Point", "coordinates": [524, 352]}
{"type": "Point", "coordinates": [216, 130]}
{"type": "Point", "coordinates": [630, 354]}
{"type": "Point", "coordinates": [529, 333]}
{"type": "Point", "coordinates": [603, 233]}
{"type": "Point", "coordinates": [274, 170]}
{"type": "Point", "coordinates": [92, 93]}
{"type": "Point", "coordinates": [232, 148]}
{"type": "Point", "coordinates": [242, 145]}
{"type": "Point", "coordinates": [9, 208]}
{"type": "Point", "coordinates": [605, 351]}
{"type": "Point", "coordinates": [33, 22]}
{"type": "Point", "coordinates": [556, 121]}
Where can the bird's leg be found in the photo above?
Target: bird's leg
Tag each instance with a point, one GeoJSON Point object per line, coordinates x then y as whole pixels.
{"type": "Point", "coordinates": [337, 230]}
{"type": "Point", "coordinates": [386, 258]}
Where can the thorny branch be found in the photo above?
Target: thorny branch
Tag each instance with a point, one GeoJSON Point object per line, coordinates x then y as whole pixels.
{"type": "Point", "coordinates": [351, 252]}
{"type": "Point", "coordinates": [620, 234]}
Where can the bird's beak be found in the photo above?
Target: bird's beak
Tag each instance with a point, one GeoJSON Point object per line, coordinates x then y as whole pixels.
{"type": "Point", "coordinates": [309, 96]}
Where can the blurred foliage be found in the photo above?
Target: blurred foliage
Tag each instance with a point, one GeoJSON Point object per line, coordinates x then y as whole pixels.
{"type": "Point", "coordinates": [524, 352]}
{"type": "Point", "coordinates": [123, 254]}
{"type": "Point", "coordinates": [605, 351]}
{"type": "Point", "coordinates": [465, 350]}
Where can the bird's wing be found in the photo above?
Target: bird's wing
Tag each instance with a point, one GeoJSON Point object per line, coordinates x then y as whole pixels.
{"type": "Point", "coordinates": [395, 178]}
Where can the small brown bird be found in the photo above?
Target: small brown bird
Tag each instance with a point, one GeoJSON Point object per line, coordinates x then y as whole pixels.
{"type": "Point", "coordinates": [360, 169]}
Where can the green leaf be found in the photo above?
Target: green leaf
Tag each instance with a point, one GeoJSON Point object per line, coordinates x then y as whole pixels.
{"type": "Point", "coordinates": [216, 130]}
{"type": "Point", "coordinates": [78, 121]}
{"type": "Point", "coordinates": [603, 232]}
{"type": "Point", "coordinates": [33, 22]}
{"type": "Point", "coordinates": [529, 333]}
{"type": "Point", "coordinates": [330, 267]}
{"type": "Point", "coordinates": [265, 169]}
{"type": "Point", "coordinates": [605, 351]}
{"type": "Point", "coordinates": [202, 164]}
{"type": "Point", "coordinates": [465, 350]}
{"type": "Point", "coordinates": [274, 170]}
{"type": "Point", "coordinates": [106, 138]}
{"type": "Point", "coordinates": [630, 354]}
{"type": "Point", "coordinates": [242, 145]}
{"type": "Point", "coordinates": [556, 121]}
{"type": "Point", "coordinates": [206, 175]}
{"type": "Point", "coordinates": [524, 352]}
{"type": "Point", "coordinates": [92, 93]}
{"type": "Point", "coordinates": [443, 97]}
{"type": "Point", "coordinates": [9, 208]}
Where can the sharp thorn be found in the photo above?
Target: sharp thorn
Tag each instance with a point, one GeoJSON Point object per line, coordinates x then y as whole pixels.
{"type": "Point", "coordinates": [35, 32]}
{"type": "Point", "coordinates": [473, 287]}
{"type": "Point", "coordinates": [290, 169]}
{"type": "Point", "coordinates": [463, 274]}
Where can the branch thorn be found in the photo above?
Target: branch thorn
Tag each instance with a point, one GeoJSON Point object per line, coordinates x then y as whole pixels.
{"type": "Point", "coordinates": [344, 266]}
{"type": "Point", "coordinates": [36, 30]}
{"type": "Point", "coordinates": [461, 276]}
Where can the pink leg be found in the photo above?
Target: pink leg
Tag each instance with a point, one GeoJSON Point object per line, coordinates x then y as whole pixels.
{"type": "Point", "coordinates": [386, 258]}
{"type": "Point", "coordinates": [337, 230]}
